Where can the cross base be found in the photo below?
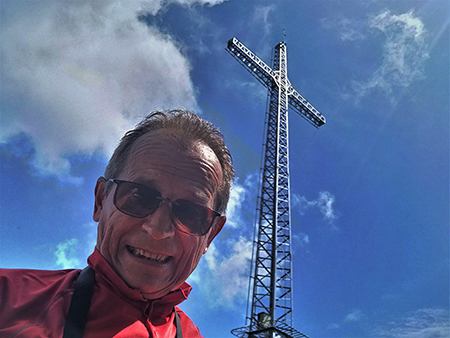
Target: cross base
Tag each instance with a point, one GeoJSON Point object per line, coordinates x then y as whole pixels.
{"type": "Point", "coordinates": [280, 331]}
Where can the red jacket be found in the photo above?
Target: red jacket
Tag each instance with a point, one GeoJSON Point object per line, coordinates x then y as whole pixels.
{"type": "Point", "coordinates": [34, 303]}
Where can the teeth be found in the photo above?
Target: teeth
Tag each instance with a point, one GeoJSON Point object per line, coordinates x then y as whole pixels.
{"type": "Point", "coordinates": [148, 255]}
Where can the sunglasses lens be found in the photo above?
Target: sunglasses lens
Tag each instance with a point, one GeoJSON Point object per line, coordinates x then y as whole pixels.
{"type": "Point", "coordinates": [192, 217]}
{"type": "Point", "coordinates": [136, 200]}
{"type": "Point", "coordinates": [140, 201]}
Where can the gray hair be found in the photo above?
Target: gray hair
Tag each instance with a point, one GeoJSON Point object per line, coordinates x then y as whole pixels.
{"type": "Point", "coordinates": [186, 126]}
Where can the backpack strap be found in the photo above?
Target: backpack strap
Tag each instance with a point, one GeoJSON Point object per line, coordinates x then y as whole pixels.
{"type": "Point", "coordinates": [178, 325]}
{"type": "Point", "coordinates": [79, 306]}
{"type": "Point", "coordinates": [81, 300]}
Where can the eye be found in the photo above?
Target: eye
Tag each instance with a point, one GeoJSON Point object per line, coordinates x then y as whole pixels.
{"type": "Point", "coordinates": [150, 196]}
{"type": "Point", "coordinates": [133, 198]}
{"type": "Point", "coordinates": [138, 198]}
{"type": "Point", "coordinates": [136, 193]}
{"type": "Point", "coordinates": [193, 216]}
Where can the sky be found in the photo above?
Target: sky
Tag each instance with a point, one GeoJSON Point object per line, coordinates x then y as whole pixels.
{"type": "Point", "coordinates": [369, 189]}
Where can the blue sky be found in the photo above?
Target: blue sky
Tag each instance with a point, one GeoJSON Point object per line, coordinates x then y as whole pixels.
{"type": "Point", "coordinates": [370, 189]}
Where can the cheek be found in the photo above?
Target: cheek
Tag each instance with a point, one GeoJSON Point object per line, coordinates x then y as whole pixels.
{"type": "Point", "coordinates": [101, 232]}
{"type": "Point", "coordinates": [103, 221]}
{"type": "Point", "coordinates": [110, 230]}
{"type": "Point", "coordinates": [194, 254]}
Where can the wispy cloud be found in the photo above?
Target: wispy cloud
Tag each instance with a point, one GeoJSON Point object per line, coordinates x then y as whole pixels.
{"type": "Point", "coordinates": [347, 29]}
{"type": "Point", "coordinates": [334, 327]}
{"type": "Point", "coordinates": [424, 323]}
{"type": "Point", "coordinates": [237, 213]}
{"type": "Point", "coordinates": [77, 74]}
{"type": "Point", "coordinates": [66, 253]}
{"type": "Point", "coordinates": [72, 253]}
{"type": "Point", "coordinates": [191, 2]}
{"type": "Point", "coordinates": [261, 17]}
{"type": "Point", "coordinates": [354, 316]}
{"type": "Point", "coordinates": [324, 202]}
{"type": "Point", "coordinates": [299, 240]}
{"type": "Point", "coordinates": [223, 273]}
{"type": "Point", "coordinates": [237, 196]}
{"type": "Point", "coordinates": [404, 52]}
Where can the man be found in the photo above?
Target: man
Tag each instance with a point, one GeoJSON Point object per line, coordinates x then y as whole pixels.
{"type": "Point", "coordinates": [159, 207]}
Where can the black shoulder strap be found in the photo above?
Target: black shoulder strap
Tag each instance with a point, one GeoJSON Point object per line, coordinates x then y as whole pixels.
{"type": "Point", "coordinates": [79, 307]}
{"type": "Point", "coordinates": [178, 325]}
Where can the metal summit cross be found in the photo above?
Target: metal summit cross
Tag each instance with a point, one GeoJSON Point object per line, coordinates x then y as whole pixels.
{"type": "Point", "coordinates": [269, 313]}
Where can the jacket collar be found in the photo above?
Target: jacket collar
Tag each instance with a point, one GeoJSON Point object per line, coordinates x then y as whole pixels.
{"type": "Point", "coordinates": [156, 309]}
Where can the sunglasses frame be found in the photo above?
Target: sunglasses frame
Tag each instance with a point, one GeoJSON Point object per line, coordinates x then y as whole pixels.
{"type": "Point", "coordinates": [178, 223]}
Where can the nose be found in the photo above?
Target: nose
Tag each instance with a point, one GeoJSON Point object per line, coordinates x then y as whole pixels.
{"type": "Point", "coordinates": [159, 224]}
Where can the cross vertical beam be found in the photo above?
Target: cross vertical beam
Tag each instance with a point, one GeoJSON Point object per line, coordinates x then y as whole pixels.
{"type": "Point", "coordinates": [270, 301]}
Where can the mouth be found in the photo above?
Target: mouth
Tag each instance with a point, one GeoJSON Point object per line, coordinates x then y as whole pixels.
{"type": "Point", "coordinates": [139, 253]}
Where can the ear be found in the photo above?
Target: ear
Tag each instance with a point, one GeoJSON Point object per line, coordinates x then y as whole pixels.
{"type": "Point", "coordinates": [216, 228]}
{"type": "Point", "coordinates": [99, 198]}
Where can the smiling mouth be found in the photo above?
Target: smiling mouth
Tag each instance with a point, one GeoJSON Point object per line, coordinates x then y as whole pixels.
{"type": "Point", "coordinates": [147, 255]}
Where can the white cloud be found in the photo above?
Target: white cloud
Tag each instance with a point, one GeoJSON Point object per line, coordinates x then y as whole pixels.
{"type": "Point", "coordinates": [237, 213]}
{"type": "Point", "coordinates": [301, 238]}
{"type": "Point", "coordinates": [324, 202]}
{"type": "Point", "coordinates": [261, 17]}
{"type": "Point", "coordinates": [354, 316]}
{"type": "Point", "coordinates": [89, 240]}
{"type": "Point", "coordinates": [224, 275]}
{"type": "Point", "coordinates": [405, 50]}
{"type": "Point", "coordinates": [192, 2]}
{"type": "Point", "coordinates": [237, 196]}
{"type": "Point", "coordinates": [233, 271]}
{"type": "Point", "coordinates": [65, 254]}
{"type": "Point", "coordinates": [72, 253]}
{"type": "Point", "coordinates": [334, 327]}
{"type": "Point", "coordinates": [348, 30]}
{"type": "Point", "coordinates": [424, 323]}
{"type": "Point", "coordinates": [77, 74]}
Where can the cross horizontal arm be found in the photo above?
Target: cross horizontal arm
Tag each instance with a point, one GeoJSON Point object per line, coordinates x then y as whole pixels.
{"type": "Point", "coordinates": [255, 66]}
{"type": "Point", "coordinates": [305, 109]}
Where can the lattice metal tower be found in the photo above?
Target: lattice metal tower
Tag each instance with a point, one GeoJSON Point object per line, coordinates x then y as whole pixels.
{"type": "Point", "coordinates": [269, 313]}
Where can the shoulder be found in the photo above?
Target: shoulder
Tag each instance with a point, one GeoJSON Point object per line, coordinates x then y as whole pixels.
{"type": "Point", "coordinates": [18, 284]}
{"type": "Point", "coordinates": [29, 297]}
{"type": "Point", "coordinates": [190, 330]}
{"type": "Point", "coordinates": [28, 277]}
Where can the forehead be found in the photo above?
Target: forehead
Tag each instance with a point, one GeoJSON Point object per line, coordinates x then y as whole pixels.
{"type": "Point", "coordinates": [158, 151]}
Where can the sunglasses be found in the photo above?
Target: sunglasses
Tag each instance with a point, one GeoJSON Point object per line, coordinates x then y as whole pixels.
{"type": "Point", "coordinates": [140, 201]}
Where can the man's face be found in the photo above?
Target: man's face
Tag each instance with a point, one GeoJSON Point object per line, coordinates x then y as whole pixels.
{"type": "Point", "coordinates": [155, 160]}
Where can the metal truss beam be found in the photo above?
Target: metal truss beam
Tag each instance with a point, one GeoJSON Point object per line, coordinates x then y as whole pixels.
{"type": "Point", "coordinates": [270, 298]}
